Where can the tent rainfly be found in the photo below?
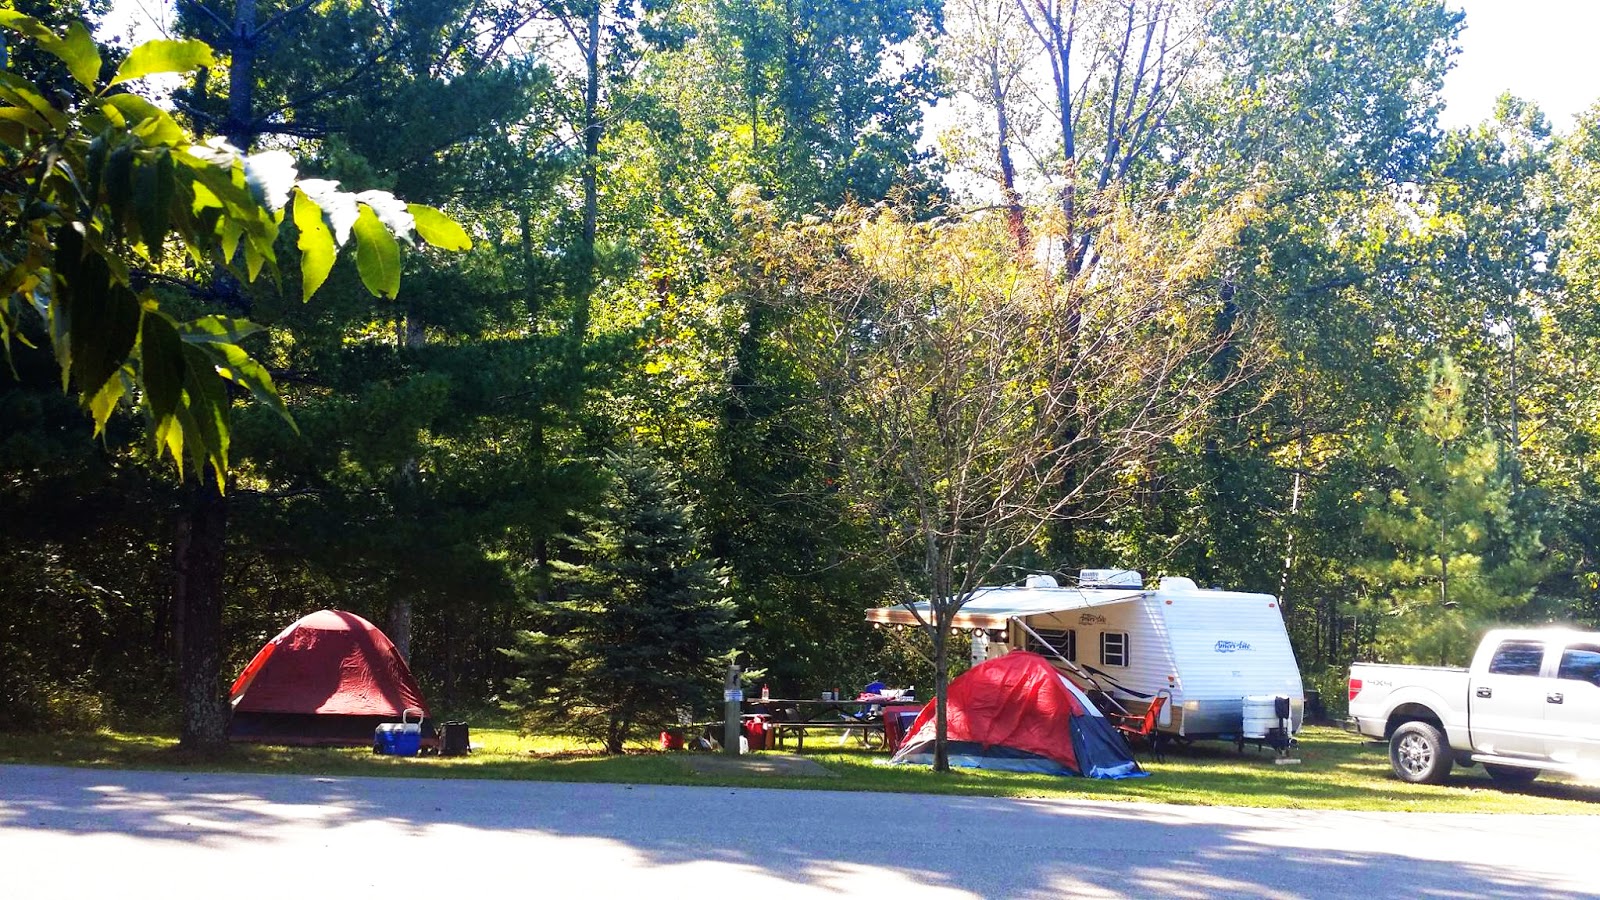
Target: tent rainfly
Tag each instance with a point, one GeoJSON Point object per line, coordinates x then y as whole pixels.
{"type": "Point", "coordinates": [330, 678]}
{"type": "Point", "coordinates": [1017, 713]}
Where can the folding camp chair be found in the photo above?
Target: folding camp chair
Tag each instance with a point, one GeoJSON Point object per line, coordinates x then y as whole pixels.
{"type": "Point", "coordinates": [1143, 729]}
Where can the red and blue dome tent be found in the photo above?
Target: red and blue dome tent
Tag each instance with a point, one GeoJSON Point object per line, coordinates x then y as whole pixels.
{"type": "Point", "coordinates": [1017, 713]}
{"type": "Point", "coordinates": [330, 678]}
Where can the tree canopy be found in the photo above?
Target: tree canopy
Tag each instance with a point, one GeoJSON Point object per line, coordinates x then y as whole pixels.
{"type": "Point", "coordinates": [899, 299]}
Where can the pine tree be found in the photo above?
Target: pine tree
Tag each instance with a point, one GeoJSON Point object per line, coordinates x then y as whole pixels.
{"type": "Point", "coordinates": [641, 625]}
{"type": "Point", "coordinates": [1453, 557]}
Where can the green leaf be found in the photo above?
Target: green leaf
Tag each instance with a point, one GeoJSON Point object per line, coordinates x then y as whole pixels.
{"type": "Point", "coordinates": [205, 411]}
{"type": "Point", "coordinates": [391, 211]}
{"type": "Point", "coordinates": [153, 190]}
{"type": "Point", "coordinates": [109, 254]}
{"type": "Point", "coordinates": [77, 49]}
{"type": "Point", "coordinates": [13, 134]}
{"type": "Point", "coordinates": [339, 207]}
{"type": "Point", "coordinates": [27, 118]}
{"type": "Point", "coordinates": [80, 54]}
{"type": "Point", "coordinates": [377, 255]}
{"type": "Point", "coordinates": [241, 214]}
{"type": "Point", "coordinates": [218, 180]}
{"type": "Point", "coordinates": [57, 310]}
{"type": "Point", "coordinates": [104, 402]}
{"type": "Point", "coordinates": [232, 231]}
{"type": "Point", "coordinates": [254, 259]}
{"type": "Point", "coordinates": [21, 92]}
{"type": "Point", "coordinates": [161, 376]}
{"type": "Point", "coordinates": [169, 439]}
{"type": "Point", "coordinates": [152, 124]}
{"type": "Point", "coordinates": [217, 330]}
{"type": "Point", "coordinates": [108, 317]}
{"type": "Point", "coordinates": [118, 182]}
{"type": "Point", "coordinates": [155, 57]}
{"type": "Point", "coordinates": [438, 229]}
{"type": "Point", "coordinates": [239, 367]}
{"type": "Point", "coordinates": [27, 25]}
{"type": "Point", "coordinates": [94, 169]}
{"type": "Point", "coordinates": [315, 242]}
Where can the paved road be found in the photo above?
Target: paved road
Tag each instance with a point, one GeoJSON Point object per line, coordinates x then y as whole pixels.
{"type": "Point", "coordinates": [68, 833]}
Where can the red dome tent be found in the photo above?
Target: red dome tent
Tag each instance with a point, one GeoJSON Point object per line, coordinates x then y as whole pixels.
{"type": "Point", "coordinates": [1016, 712]}
{"type": "Point", "coordinates": [330, 678]}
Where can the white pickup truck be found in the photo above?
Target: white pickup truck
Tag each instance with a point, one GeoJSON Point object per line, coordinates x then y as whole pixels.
{"type": "Point", "coordinates": [1529, 703]}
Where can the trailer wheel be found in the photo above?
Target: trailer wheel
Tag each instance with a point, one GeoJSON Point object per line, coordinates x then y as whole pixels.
{"type": "Point", "coordinates": [1419, 754]}
{"type": "Point", "coordinates": [1510, 776]}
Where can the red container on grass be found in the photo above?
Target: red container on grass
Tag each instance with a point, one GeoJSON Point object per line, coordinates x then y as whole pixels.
{"type": "Point", "coordinates": [757, 729]}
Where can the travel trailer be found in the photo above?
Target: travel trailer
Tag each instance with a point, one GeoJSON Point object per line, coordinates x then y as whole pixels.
{"type": "Point", "coordinates": [1222, 657]}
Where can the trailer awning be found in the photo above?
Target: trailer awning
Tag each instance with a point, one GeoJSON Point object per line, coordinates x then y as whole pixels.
{"type": "Point", "coordinates": [993, 607]}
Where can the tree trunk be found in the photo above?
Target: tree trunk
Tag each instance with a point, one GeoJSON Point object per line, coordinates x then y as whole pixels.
{"type": "Point", "coordinates": [1015, 216]}
{"type": "Point", "coordinates": [411, 336]}
{"type": "Point", "coordinates": [398, 625]}
{"type": "Point", "coordinates": [592, 129]}
{"type": "Point", "coordinates": [198, 593]}
{"type": "Point", "coordinates": [240, 126]}
{"type": "Point", "coordinates": [615, 729]}
{"type": "Point", "coordinates": [182, 531]}
{"type": "Point", "coordinates": [200, 545]}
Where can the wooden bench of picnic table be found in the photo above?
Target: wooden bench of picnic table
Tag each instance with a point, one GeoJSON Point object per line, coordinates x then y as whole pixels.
{"type": "Point", "coordinates": [799, 729]}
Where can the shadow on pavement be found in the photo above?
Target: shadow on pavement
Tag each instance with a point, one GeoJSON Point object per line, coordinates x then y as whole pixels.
{"type": "Point", "coordinates": [979, 846]}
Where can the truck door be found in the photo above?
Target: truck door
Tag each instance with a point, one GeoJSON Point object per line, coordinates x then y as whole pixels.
{"type": "Point", "coordinates": [1572, 706]}
{"type": "Point", "coordinates": [1507, 701]}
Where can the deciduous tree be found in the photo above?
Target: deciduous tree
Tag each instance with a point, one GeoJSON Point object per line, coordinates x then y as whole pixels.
{"type": "Point", "coordinates": [944, 366]}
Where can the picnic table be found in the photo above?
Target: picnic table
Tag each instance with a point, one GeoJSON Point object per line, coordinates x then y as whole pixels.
{"type": "Point", "coordinates": [862, 714]}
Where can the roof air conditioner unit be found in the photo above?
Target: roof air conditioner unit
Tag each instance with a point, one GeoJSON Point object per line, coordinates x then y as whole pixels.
{"type": "Point", "coordinates": [1040, 581]}
{"type": "Point", "coordinates": [1109, 578]}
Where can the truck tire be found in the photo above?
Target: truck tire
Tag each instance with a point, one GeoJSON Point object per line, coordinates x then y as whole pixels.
{"type": "Point", "coordinates": [1419, 755]}
{"type": "Point", "coordinates": [1510, 776]}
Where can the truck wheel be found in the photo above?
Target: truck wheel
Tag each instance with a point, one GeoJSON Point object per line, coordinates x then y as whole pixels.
{"type": "Point", "coordinates": [1419, 754]}
{"type": "Point", "coordinates": [1510, 776]}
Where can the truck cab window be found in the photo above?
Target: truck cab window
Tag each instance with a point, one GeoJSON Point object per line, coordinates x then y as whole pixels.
{"type": "Point", "coordinates": [1517, 658]}
{"type": "Point", "coordinates": [1580, 664]}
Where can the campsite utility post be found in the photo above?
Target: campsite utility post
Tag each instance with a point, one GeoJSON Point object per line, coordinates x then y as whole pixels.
{"type": "Point", "coordinates": [731, 698]}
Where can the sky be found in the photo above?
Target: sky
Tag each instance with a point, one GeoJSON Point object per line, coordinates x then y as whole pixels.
{"type": "Point", "coordinates": [1537, 49]}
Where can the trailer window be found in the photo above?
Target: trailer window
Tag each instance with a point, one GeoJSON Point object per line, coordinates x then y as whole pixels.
{"type": "Point", "coordinates": [1113, 648]}
{"type": "Point", "coordinates": [1064, 643]}
{"type": "Point", "coordinates": [1580, 664]}
{"type": "Point", "coordinates": [1517, 658]}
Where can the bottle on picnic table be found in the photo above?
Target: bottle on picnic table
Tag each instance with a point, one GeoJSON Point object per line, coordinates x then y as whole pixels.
{"type": "Point", "coordinates": [764, 694]}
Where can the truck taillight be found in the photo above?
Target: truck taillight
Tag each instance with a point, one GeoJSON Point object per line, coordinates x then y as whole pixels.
{"type": "Point", "coordinates": [1355, 688]}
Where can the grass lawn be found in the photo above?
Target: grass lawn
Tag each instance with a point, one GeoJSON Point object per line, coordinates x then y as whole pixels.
{"type": "Point", "coordinates": [1337, 771]}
